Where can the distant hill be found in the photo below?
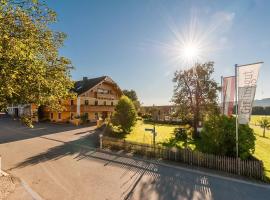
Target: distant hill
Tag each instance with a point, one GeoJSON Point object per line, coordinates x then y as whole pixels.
{"type": "Point", "coordinates": [263, 102]}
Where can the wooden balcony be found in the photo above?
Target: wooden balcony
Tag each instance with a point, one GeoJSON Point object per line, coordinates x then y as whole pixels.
{"type": "Point", "coordinates": [105, 96]}
{"type": "Point", "coordinates": [101, 108]}
{"type": "Point", "coordinates": [90, 108]}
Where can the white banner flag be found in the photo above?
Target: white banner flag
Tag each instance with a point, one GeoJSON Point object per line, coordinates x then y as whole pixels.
{"type": "Point", "coordinates": [247, 76]}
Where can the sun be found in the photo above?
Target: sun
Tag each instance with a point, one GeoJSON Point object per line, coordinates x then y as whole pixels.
{"type": "Point", "coordinates": [190, 52]}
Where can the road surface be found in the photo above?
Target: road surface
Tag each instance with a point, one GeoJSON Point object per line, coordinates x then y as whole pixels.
{"type": "Point", "coordinates": [54, 163]}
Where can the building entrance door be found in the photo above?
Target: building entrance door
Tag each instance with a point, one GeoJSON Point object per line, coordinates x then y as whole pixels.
{"type": "Point", "coordinates": [104, 115]}
{"type": "Point", "coordinates": [16, 112]}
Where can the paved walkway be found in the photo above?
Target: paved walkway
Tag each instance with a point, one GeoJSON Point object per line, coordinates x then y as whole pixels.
{"type": "Point", "coordinates": [52, 160]}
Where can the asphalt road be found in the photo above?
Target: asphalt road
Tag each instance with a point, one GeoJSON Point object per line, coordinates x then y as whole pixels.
{"type": "Point", "coordinates": [53, 161]}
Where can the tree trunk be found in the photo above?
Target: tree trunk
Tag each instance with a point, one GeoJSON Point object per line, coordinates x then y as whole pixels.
{"type": "Point", "coordinates": [195, 126]}
{"type": "Point", "coordinates": [264, 132]}
{"type": "Point", "coordinates": [195, 122]}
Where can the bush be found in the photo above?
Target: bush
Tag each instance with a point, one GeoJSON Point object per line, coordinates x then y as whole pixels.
{"type": "Point", "coordinates": [146, 116]}
{"type": "Point", "coordinates": [27, 120]}
{"type": "Point", "coordinates": [84, 118]}
{"type": "Point", "coordinates": [124, 116]}
{"type": "Point", "coordinates": [218, 137]}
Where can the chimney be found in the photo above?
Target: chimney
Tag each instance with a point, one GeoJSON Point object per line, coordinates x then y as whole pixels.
{"type": "Point", "coordinates": [85, 78]}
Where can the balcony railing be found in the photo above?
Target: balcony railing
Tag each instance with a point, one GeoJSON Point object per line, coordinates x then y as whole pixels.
{"type": "Point", "coordinates": [105, 96]}
{"type": "Point", "coordinates": [90, 108]}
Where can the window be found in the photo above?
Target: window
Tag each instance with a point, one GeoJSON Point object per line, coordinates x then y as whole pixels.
{"type": "Point", "coordinates": [71, 116]}
{"type": "Point", "coordinates": [86, 102]}
{"type": "Point", "coordinates": [96, 115]}
{"type": "Point", "coordinates": [104, 103]}
{"type": "Point", "coordinates": [86, 115]}
{"type": "Point", "coordinates": [59, 115]}
{"type": "Point", "coordinates": [51, 115]}
{"type": "Point", "coordinates": [112, 103]}
{"type": "Point", "coordinates": [72, 102]}
{"type": "Point", "coordinates": [99, 90]}
{"type": "Point", "coordinates": [102, 91]}
{"type": "Point", "coordinates": [96, 103]}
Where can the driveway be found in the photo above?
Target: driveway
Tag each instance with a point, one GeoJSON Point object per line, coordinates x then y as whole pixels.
{"type": "Point", "coordinates": [57, 163]}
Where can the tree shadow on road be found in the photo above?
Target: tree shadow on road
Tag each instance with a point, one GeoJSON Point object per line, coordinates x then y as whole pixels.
{"type": "Point", "coordinates": [12, 130]}
{"type": "Point", "coordinates": [141, 179]}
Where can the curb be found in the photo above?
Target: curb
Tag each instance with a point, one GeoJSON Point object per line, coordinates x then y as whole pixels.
{"type": "Point", "coordinates": [267, 186]}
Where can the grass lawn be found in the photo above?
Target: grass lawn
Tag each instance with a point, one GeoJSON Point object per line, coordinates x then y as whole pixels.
{"type": "Point", "coordinates": [165, 132]}
{"type": "Point", "coordinates": [138, 134]}
{"type": "Point", "coordinates": [262, 148]}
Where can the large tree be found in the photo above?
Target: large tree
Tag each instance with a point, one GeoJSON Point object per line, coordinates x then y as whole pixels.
{"type": "Point", "coordinates": [195, 93]}
{"type": "Point", "coordinates": [133, 96]}
{"type": "Point", "coordinates": [31, 69]}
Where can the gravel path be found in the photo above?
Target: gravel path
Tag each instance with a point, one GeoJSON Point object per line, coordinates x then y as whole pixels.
{"type": "Point", "coordinates": [7, 186]}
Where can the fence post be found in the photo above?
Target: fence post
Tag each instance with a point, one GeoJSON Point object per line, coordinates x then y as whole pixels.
{"type": "Point", "coordinates": [238, 166]}
{"type": "Point", "coordinates": [261, 170]}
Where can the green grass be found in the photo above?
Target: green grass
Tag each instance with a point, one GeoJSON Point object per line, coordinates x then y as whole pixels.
{"type": "Point", "coordinates": [262, 148]}
{"type": "Point", "coordinates": [255, 118]}
{"type": "Point", "coordinates": [138, 134]}
{"type": "Point", "coordinates": [165, 132]}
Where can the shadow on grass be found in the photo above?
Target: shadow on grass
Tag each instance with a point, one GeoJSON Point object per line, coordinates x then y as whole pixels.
{"type": "Point", "coordinates": [162, 124]}
{"type": "Point", "coordinates": [261, 136]}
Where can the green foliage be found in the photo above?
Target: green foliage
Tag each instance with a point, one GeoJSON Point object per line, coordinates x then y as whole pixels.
{"type": "Point", "coordinates": [181, 135]}
{"type": "Point", "coordinates": [264, 123]}
{"type": "Point", "coordinates": [218, 137]}
{"type": "Point", "coordinates": [133, 96]}
{"type": "Point", "coordinates": [27, 120]}
{"type": "Point", "coordinates": [83, 118]}
{"type": "Point", "coordinates": [195, 93]}
{"type": "Point", "coordinates": [125, 114]}
{"type": "Point", "coordinates": [31, 69]}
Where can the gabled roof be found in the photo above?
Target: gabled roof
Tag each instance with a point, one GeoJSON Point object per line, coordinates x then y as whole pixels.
{"type": "Point", "coordinates": [88, 83]}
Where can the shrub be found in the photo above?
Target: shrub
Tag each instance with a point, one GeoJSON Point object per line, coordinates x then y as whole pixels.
{"type": "Point", "coordinates": [125, 114]}
{"type": "Point", "coordinates": [27, 120]}
{"type": "Point", "coordinates": [84, 118]}
{"type": "Point", "coordinates": [218, 137]}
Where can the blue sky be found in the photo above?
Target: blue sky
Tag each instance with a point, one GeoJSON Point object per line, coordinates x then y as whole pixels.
{"type": "Point", "coordinates": [134, 41]}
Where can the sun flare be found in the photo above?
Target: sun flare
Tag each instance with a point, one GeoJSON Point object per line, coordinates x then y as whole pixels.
{"type": "Point", "coordinates": [190, 52]}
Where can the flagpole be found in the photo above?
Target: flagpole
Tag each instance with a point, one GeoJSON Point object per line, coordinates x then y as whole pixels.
{"type": "Point", "coordinates": [236, 110]}
{"type": "Point", "coordinates": [221, 98]}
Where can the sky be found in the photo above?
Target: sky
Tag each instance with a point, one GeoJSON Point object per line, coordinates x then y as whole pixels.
{"type": "Point", "coordinates": [138, 43]}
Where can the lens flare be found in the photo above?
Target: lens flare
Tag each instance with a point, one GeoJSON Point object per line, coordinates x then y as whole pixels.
{"type": "Point", "coordinates": [190, 52]}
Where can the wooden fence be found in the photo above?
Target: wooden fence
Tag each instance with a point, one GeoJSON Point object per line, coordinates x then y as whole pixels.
{"type": "Point", "coordinates": [249, 168]}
